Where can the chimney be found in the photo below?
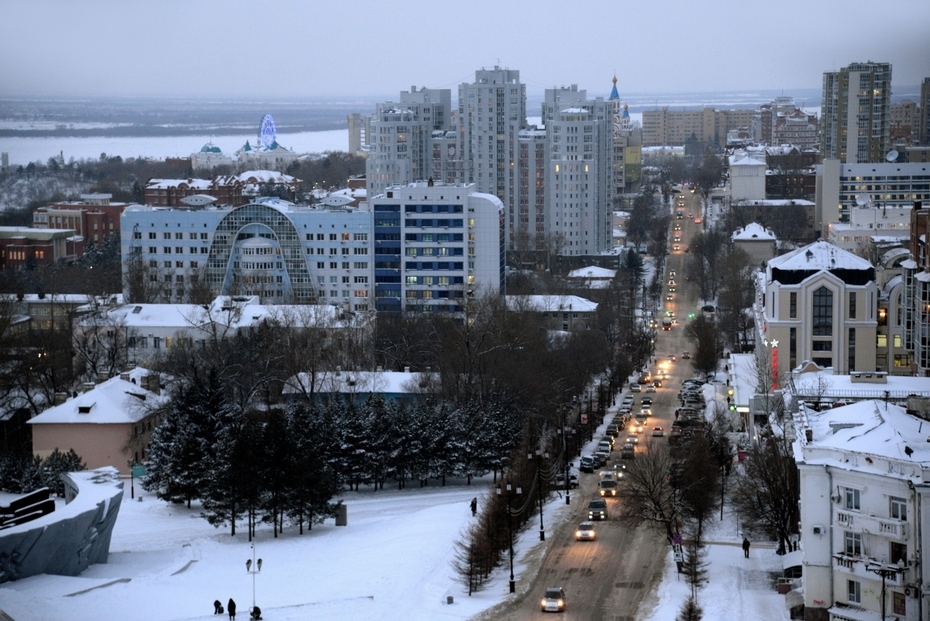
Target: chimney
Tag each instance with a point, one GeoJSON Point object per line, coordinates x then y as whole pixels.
{"type": "Point", "coordinates": [102, 376]}
{"type": "Point", "coordinates": [60, 397]}
{"type": "Point", "coordinates": [87, 386]}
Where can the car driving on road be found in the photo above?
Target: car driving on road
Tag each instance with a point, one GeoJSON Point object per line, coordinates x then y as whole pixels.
{"type": "Point", "coordinates": [585, 532]}
{"type": "Point", "coordinates": [553, 600]}
{"type": "Point", "coordinates": [597, 509]}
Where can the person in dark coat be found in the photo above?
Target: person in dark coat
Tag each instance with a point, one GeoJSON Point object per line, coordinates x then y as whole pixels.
{"type": "Point", "coordinates": [217, 607]}
{"type": "Point", "coordinates": [231, 607]}
{"type": "Point", "coordinates": [474, 506]}
{"type": "Point", "coordinates": [745, 547]}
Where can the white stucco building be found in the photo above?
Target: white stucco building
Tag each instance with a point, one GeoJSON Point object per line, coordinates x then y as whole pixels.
{"type": "Point", "coordinates": [746, 179]}
{"type": "Point", "coordinates": [865, 489]}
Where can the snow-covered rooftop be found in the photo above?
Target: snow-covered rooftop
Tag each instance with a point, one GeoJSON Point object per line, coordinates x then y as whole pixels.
{"type": "Point", "coordinates": [114, 401]}
{"type": "Point", "coordinates": [360, 382]}
{"type": "Point", "coordinates": [870, 428]}
{"type": "Point", "coordinates": [592, 271]}
{"type": "Point", "coordinates": [820, 255]}
{"type": "Point", "coordinates": [550, 303]}
{"type": "Point", "coordinates": [753, 232]}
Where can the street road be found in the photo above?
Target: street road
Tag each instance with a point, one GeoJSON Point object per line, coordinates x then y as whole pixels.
{"type": "Point", "coordinates": [614, 577]}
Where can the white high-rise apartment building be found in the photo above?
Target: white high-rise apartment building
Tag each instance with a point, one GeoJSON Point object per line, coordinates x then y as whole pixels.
{"type": "Point", "coordinates": [855, 115]}
{"type": "Point", "coordinates": [399, 142]}
{"type": "Point", "coordinates": [492, 111]}
{"type": "Point", "coordinates": [579, 175]}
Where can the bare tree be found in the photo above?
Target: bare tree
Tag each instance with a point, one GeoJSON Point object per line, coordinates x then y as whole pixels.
{"type": "Point", "coordinates": [647, 493]}
{"type": "Point", "coordinates": [767, 491]}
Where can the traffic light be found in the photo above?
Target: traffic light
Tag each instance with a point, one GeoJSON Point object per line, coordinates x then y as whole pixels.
{"type": "Point", "coordinates": [732, 407]}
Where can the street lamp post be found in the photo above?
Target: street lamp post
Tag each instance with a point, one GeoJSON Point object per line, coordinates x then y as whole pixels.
{"type": "Point", "coordinates": [249, 564]}
{"type": "Point", "coordinates": [519, 491]}
{"type": "Point", "coordinates": [885, 571]}
{"type": "Point", "coordinates": [539, 481]}
{"type": "Point", "coordinates": [568, 496]}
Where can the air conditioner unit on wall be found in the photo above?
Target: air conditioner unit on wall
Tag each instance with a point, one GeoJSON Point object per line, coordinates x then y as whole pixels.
{"type": "Point", "coordinates": [818, 530]}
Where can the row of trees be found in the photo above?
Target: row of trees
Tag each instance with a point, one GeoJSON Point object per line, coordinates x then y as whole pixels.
{"type": "Point", "coordinates": [285, 464]}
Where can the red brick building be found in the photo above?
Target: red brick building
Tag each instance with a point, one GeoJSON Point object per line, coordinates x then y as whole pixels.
{"type": "Point", "coordinates": [227, 190]}
{"type": "Point", "coordinates": [20, 246]}
{"type": "Point", "coordinates": [93, 217]}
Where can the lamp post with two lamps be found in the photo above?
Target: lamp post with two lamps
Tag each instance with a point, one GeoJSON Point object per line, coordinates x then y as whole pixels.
{"type": "Point", "coordinates": [529, 457]}
{"type": "Point", "coordinates": [885, 570]}
{"type": "Point", "coordinates": [510, 489]}
{"type": "Point", "coordinates": [249, 564]}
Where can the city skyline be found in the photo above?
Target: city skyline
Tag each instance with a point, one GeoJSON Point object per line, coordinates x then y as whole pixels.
{"type": "Point", "coordinates": [285, 48]}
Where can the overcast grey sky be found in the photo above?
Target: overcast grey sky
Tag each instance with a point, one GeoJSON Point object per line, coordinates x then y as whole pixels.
{"type": "Point", "coordinates": [357, 48]}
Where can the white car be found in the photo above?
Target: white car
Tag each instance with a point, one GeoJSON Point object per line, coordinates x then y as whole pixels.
{"type": "Point", "coordinates": [585, 532]}
{"type": "Point", "coordinates": [650, 388]}
{"type": "Point", "coordinates": [553, 600]}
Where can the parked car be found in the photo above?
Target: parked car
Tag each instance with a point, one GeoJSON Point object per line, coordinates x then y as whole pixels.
{"type": "Point", "coordinates": [559, 480]}
{"type": "Point", "coordinates": [585, 532]}
{"type": "Point", "coordinates": [601, 456]}
{"type": "Point", "coordinates": [553, 600]}
{"type": "Point", "coordinates": [597, 509]}
{"type": "Point", "coordinates": [587, 464]}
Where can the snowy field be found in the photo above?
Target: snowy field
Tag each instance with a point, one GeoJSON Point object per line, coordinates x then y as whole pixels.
{"type": "Point", "coordinates": [392, 562]}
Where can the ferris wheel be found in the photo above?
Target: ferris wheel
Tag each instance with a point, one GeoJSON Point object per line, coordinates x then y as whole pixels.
{"type": "Point", "coordinates": [267, 134]}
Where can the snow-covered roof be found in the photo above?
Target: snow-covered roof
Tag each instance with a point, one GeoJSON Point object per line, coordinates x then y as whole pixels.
{"type": "Point", "coordinates": [592, 271]}
{"type": "Point", "coordinates": [753, 232]}
{"type": "Point", "coordinates": [824, 385]}
{"type": "Point", "coordinates": [235, 313]}
{"type": "Point", "coordinates": [265, 176]}
{"type": "Point", "coordinates": [114, 401]}
{"type": "Point", "coordinates": [167, 184]}
{"type": "Point", "coordinates": [870, 428]}
{"type": "Point", "coordinates": [360, 382]}
{"type": "Point", "coordinates": [744, 160]}
{"type": "Point", "coordinates": [820, 255]}
{"type": "Point", "coordinates": [550, 303]}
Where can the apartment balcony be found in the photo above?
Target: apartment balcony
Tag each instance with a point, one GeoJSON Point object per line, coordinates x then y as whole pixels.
{"type": "Point", "coordinates": [867, 568]}
{"type": "Point", "coordinates": [862, 523]}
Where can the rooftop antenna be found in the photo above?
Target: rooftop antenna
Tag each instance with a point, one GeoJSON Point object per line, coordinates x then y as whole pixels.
{"type": "Point", "coordinates": [892, 156]}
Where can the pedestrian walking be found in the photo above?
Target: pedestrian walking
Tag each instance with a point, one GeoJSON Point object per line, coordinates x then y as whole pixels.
{"type": "Point", "coordinates": [231, 607]}
{"type": "Point", "coordinates": [474, 506]}
{"type": "Point", "coordinates": [745, 547]}
{"type": "Point", "coordinates": [217, 607]}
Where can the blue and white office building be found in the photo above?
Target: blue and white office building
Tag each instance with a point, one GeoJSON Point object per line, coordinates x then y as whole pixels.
{"type": "Point", "coordinates": [435, 245]}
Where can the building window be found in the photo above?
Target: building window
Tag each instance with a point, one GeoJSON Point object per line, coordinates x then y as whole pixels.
{"type": "Point", "coordinates": [853, 592]}
{"type": "Point", "coordinates": [898, 552]}
{"type": "Point", "coordinates": [793, 305]}
{"type": "Point", "coordinates": [852, 498]}
{"type": "Point", "coordinates": [852, 543]}
{"type": "Point", "coordinates": [823, 312]}
{"type": "Point", "coordinates": [792, 347]}
{"type": "Point", "coordinates": [898, 508]}
{"type": "Point", "coordinates": [852, 304]}
{"type": "Point", "coordinates": [851, 362]}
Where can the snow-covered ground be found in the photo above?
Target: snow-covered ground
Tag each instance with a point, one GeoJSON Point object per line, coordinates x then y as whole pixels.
{"type": "Point", "coordinates": [393, 561]}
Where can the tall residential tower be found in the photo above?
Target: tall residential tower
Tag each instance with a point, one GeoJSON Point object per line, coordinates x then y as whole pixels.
{"type": "Point", "coordinates": [855, 114]}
